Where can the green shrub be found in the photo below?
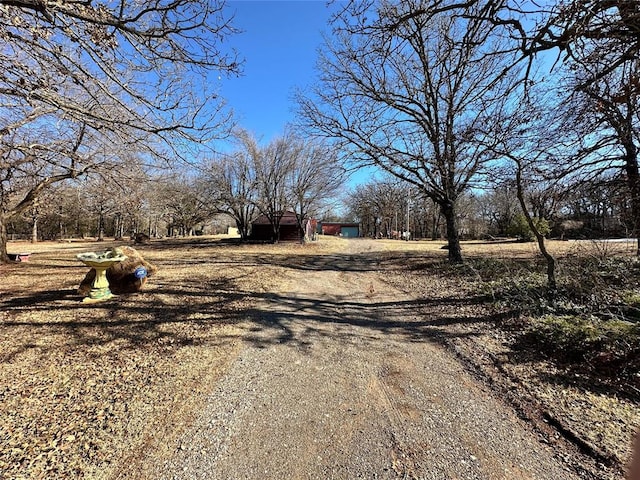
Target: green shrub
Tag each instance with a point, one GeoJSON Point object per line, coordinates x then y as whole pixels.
{"type": "Point", "coordinates": [574, 338]}
{"type": "Point", "coordinates": [631, 298]}
{"type": "Point", "coordinates": [593, 322]}
{"type": "Point", "coordinates": [520, 228]}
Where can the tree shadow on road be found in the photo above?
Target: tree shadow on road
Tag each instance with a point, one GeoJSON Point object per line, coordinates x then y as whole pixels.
{"type": "Point", "coordinates": [298, 321]}
{"type": "Point", "coordinates": [173, 313]}
{"type": "Point", "coordinates": [174, 310]}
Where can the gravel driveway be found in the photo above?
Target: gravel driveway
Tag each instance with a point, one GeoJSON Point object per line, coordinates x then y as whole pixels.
{"type": "Point", "coordinates": [332, 383]}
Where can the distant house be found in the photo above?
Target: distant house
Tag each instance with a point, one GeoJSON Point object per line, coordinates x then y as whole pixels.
{"type": "Point", "coordinates": [350, 230]}
{"type": "Point", "coordinates": [261, 229]}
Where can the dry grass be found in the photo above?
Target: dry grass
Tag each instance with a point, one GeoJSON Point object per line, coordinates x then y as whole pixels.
{"type": "Point", "coordinates": [85, 389]}
{"type": "Point", "coordinates": [596, 396]}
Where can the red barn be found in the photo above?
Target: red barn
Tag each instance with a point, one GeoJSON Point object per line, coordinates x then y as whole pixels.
{"type": "Point", "coordinates": [289, 231]}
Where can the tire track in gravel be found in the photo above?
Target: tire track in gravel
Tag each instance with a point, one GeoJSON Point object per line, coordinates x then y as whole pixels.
{"type": "Point", "coordinates": [335, 381]}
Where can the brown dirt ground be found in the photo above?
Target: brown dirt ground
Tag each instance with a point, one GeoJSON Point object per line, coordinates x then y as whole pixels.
{"type": "Point", "coordinates": [85, 389]}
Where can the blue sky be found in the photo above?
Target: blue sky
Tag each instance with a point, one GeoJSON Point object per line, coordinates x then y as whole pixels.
{"type": "Point", "coordinates": [279, 44]}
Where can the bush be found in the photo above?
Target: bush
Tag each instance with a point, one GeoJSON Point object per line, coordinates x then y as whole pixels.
{"type": "Point", "coordinates": [520, 228]}
{"type": "Point", "coordinates": [593, 322]}
{"type": "Point", "coordinates": [578, 339]}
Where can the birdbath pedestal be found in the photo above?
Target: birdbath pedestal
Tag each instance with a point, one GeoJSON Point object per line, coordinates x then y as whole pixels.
{"type": "Point", "coordinates": [100, 263]}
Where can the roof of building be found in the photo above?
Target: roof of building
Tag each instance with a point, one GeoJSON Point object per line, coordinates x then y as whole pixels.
{"type": "Point", "coordinates": [288, 218]}
{"type": "Point", "coordinates": [341, 224]}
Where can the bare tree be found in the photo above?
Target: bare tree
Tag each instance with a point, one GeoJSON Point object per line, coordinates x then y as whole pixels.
{"type": "Point", "coordinates": [186, 203]}
{"type": "Point", "coordinates": [316, 177]}
{"type": "Point", "coordinates": [427, 218]}
{"type": "Point", "coordinates": [81, 80]}
{"type": "Point", "coordinates": [290, 173]}
{"type": "Point", "coordinates": [550, 259]}
{"type": "Point", "coordinates": [273, 166]}
{"type": "Point", "coordinates": [233, 184]}
{"type": "Point", "coordinates": [417, 91]}
{"type": "Point", "coordinates": [533, 153]}
{"type": "Point", "coordinates": [360, 208]}
{"type": "Point", "coordinates": [545, 27]}
{"type": "Point", "coordinates": [605, 116]}
{"type": "Point", "coordinates": [51, 221]}
{"type": "Point", "coordinates": [599, 208]}
{"type": "Point", "coordinates": [500, 207]}
{"type": "Point", "coordinates": [598, 44]}
{"type": "Point", "coordinates": [607, 29]}
{"type": "Point", "coordinates": [100, 199]}
{"type": "Point", "coordinates": [381, 207]}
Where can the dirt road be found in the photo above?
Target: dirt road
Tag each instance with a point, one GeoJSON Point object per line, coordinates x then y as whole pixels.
{"type": "Point", "coordinates": [333, 381]}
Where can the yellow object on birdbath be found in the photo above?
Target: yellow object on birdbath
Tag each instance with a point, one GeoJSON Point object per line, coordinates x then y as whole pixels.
{"type": "Point", "coordinates": [100, 263]}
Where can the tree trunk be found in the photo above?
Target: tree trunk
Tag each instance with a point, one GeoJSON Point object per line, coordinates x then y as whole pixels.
{"type": "Point", "coordinates": [101, 227]}
{"type": "Point", "coordinates": [275, 231]}
{"type": "Point", "coordinates": [61, 223]}
{"type": "Point", "coordinates": [4, 258]}
{"type": "Point", "coordinates": [551, 261]}
{"type": "Point", "coordinates": [120, 226]}
{"type": "Point", "coordinates": [449, 213]}
{"type": "Point", "coordinates": [302, 231]}
{"type": "Point", "coordinates": [633, 181]}
{"type": "Point", "coordinates": [243, 229]}
{"type": "Point", "coordinates": [435, 226]}
{"type": "Point", "coordinates": [34, 230]}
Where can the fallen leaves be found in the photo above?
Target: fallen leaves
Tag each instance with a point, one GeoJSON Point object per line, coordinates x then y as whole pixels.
{"type": "Point", "coordinates": [82, 389]}
{"type": "Point", "coordinates": [89, 391]}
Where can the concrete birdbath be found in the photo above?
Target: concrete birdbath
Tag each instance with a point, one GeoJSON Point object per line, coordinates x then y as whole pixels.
{"type": "Point", "coordinates": [100, 263]}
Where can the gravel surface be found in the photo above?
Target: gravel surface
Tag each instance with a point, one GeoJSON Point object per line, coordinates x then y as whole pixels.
{"type": "Point", "coordinates": [331, 383]}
